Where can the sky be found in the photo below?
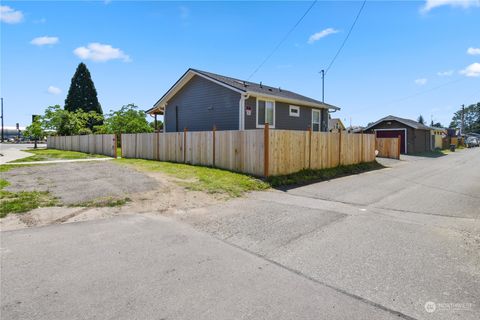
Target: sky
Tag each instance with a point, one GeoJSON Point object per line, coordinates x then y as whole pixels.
{"type": "Point", "coordinates": [403, 58]}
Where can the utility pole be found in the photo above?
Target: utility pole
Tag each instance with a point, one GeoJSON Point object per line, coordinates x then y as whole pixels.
{"type": "Point", "coordinates": [463, 119]}
{"type": "Point", "coordinates": [323, 85]}
{"type": "Point", "coordinates": [2, 121]}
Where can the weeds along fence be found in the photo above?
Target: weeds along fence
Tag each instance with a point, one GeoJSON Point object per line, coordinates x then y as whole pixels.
{"type": "Point", "coordinates": [104, 144]}
{"type": "Point", "coordinates": [260, 152]}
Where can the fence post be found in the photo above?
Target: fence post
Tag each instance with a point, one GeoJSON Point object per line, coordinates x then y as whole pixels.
{"type": "Point", "coordinates": [266, 145]}
{"type": "Point", "coordinates": [340, 148]}
{"type": "Point", "coordinates": [213, 146]}
{"type": "Point", "coordinates": [185, 130]}
{"type": "Point", "coordinates": [309, 147]}
{"type": "Point", "coordinates": [158, 145]}
{"type": "Point", "coordinates": [399, 145]}
{"type": "Point", "coordinates": [362, 151]}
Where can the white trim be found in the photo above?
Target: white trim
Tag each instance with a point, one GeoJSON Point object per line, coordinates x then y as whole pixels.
{"type": "Point", "coordinates": [396, 129]}
{"type": "Point", "coordinates": [295, 114]}
{"type": "Point", "coordinates": [319, 120]}
{"type": "Point", "coordinates": [256, 113]}
{"type": "Point", "coordinates": [241, 109]}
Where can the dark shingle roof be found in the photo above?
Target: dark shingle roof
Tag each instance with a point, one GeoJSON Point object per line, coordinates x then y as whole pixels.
{"type": "Point", "coordinates": [411, 123]}
{"type": "Point", "coordinates": [260, 89]}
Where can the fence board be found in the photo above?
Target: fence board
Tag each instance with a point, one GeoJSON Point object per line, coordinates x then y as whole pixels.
{"type": "Point", "coordinates": [388, 147]}
{"type": "Point", "coordinates": [95, 144]}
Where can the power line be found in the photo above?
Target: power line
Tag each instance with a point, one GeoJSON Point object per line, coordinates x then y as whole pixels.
{"type": "Point", "coordinates": [283, 40]}
{"type": "Point", "coordinates": [346, 38]}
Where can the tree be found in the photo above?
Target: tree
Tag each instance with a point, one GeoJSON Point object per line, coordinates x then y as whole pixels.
{"type": "Point", "coordinates": [82, 94]}
{"type": "Point", "coordinates": [64, 122]}
{"type": "Point", "coordinates": [421, 120]}
{"type": "Point", "coordinates": [436, 124]}
{"type": "Point", "coordinates": [471, 116]}
{"type": "Point", "coordinates": [126, 120]}
{"type": "Point", "coordinates": [34, 131]}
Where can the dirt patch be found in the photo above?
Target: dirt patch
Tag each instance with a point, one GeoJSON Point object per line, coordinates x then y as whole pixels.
{"type": "Point", "coordinates": [75, 183]}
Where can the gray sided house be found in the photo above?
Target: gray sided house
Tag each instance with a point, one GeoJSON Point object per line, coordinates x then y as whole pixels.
{"type": "Point", "coordinates": [415, 137]}
{"type": "Point", "coordinates": [200, 100]}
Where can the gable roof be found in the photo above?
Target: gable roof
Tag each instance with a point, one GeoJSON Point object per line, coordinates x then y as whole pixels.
{"type": "Point", "coordinates": [241, 86]}
{"type": "Point", "coordinates": [332, 122]}
{"type": "Point", "coordinates": [408, 122]}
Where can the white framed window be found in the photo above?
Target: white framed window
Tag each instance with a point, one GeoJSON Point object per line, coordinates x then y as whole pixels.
{"type": "Point", "coordinates": [316, 120]}
{"type": "Point", "coordinates": [265, 113]}
{"type": "Point", "coordinates": [294, 111]}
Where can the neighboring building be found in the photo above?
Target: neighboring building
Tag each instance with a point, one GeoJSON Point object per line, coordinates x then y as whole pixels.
{"type": "Point", "coordinates": [10, 132]}
{"type": "Point", "coordinates": [355, 129]}
{"type": "Point", "coordinates": [438, 135]}
{"type": "Point", "coordinates": [335, 125]}
{"type": "Point", "coordinates": [415, 137]}
{"type": "Point", "coordinates": [200, 100]}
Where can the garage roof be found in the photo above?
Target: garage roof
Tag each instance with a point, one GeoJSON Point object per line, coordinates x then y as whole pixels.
{"type": "Point", "coordinates": [408, 122]}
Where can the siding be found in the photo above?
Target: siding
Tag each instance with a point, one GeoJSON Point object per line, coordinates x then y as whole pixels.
{"type": "Point", "coordinates": [283, 120]}
{"type": "Point", "coordinates": [201, 104]}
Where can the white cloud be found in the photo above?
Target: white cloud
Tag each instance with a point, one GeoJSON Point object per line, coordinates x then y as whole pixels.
{"type": "Point", "coordinates": [447, 73]}
{"type": "Point", "coordinates": [54, 90]}
{"type": "Point", "coordinates": [472, 70]}
{"type": "Point", "coordinates": [319, 35]}
{"type": "Point", "coordinates": [100, 53]}
{"type": "Point", "coordinates": [184, 12]}
{"type": "Point", "coordinates": [10, 15]}
{"type": "Point", "coordinates": [421, 81]}
{"type": "Point", "coordinates": [42, 41]}
{"type": "Point", "coordinates": [431, 4]}
{"type": "Point", "coordinates": [473, 51]}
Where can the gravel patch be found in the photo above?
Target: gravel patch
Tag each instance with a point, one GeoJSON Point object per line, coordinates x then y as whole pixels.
{"type": "Point", "coordinates": [79, 182]}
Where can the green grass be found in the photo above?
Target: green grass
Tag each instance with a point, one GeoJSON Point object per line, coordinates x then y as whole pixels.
{"type": "Point", "coordinates": [52, 154]}
{"type": "Point", "coordinates": [310, 176]}
{"type": "Point", "coordinates": [198, 178]}
{"type": "Point", "coordinates": [23, 201]}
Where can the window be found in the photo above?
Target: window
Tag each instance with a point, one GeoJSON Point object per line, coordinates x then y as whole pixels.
{"type": "Point", "coordinates": [294, 111]}
{"type": "Point", "coordinates": [265, 113]}
{"type": "Point", "coordinates": [315, 120]}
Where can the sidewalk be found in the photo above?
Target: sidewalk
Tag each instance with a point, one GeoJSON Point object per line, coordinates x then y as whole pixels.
{"type": "Point", "coordinates": [60, 161]}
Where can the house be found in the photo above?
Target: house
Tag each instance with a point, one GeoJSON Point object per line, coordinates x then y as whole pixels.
{"type": "Point", "coordinates": [200, 100]}
{"type": "Point", "coordinates": [438, 136]}
{"type": "Point", "coordinates": [335, 125]}
{"type": "Point", "coordinates": [415, 137]}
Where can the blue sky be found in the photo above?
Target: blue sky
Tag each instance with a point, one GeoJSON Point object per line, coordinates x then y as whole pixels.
{"type": "Point", "coordinates": [403, 58]}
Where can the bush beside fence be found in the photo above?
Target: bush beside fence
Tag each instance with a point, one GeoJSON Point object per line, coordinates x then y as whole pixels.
{"type": "Point", "coordinates": [104, 144]}
{"type": "Point", "coordinates": [286, 151]}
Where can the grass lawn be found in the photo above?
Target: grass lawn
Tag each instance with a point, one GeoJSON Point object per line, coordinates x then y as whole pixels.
{"type": "Point", "coordinates": [23, 201]}
{"type": "Point", "coordinates": [198, 178]}
{"type": "Point", "coordinates": [53, 154]}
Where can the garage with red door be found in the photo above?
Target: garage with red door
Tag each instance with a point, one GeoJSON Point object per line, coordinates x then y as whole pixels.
{"type": "Point", "coordinates": [415, 137]}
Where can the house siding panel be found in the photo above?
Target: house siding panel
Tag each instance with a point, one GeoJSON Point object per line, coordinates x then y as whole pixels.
{"type": "Point", "coordinates": [283, 120]}
{"type": "Point", "coordinates": [201, 104]}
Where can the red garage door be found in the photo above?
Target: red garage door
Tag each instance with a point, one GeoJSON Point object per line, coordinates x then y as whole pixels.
{"type": "Point", "coordinates": [393, 134]}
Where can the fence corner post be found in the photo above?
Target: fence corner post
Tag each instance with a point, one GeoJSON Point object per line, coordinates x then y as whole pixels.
{"type": "Point", "coordinates": [399, 145]}
{"type": "Point", "coordinates": [213, 144]}
{"type": "Point", "coordinates": [309, 147]}
{"type": "Point", "coordinates": [115, 155]}
{"type": "Point", "coordinates": [266, 151]}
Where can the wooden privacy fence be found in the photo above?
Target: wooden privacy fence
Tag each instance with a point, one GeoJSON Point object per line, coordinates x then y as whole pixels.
{"type": "Point", "coordinates": [260, 152]}
{"type": "Point", "coordinates": [388, 147]}
{"type": "Point", "coordinates": [104, 144]}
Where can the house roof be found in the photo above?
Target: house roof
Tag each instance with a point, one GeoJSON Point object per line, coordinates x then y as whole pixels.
{"type": "Point", "coordinates": [408, 122]}
{"type": "Point", "coordinates": [334, 121]}
{"type": "Point", "coordinates": [241, 86]}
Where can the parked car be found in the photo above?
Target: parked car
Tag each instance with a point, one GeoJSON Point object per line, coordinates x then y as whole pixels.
{"type": "Point", "coordinates": [471, 142]}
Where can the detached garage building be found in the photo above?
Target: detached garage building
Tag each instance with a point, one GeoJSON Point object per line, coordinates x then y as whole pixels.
{"type": "Point", "coordinates": [415, 137]}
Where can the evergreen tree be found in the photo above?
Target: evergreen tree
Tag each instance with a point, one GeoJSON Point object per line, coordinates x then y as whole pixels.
{"type": "Point", "coordinates": [82, 93]}
{"type": "Point", "coordinates": [421, 120]}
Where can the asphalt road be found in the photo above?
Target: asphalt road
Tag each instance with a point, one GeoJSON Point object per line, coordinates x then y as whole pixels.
{"type": "Point", "coordinates": [378, 245]}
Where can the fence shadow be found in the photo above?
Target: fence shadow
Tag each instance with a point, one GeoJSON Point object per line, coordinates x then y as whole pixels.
{"type": "Point", "coordinates": [309, 176]}
{"type": "Point", "coordinates": [429, 154]}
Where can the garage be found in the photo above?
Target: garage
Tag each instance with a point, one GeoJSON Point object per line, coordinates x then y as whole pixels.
{"type": "Point", "coordinates": [415, 137]}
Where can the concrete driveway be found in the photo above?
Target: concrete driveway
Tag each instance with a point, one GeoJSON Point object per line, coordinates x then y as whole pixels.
{"type": "Point", "coordinates": [402, 242]}
{"type": "Point", "coordinates": [13, 151]}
